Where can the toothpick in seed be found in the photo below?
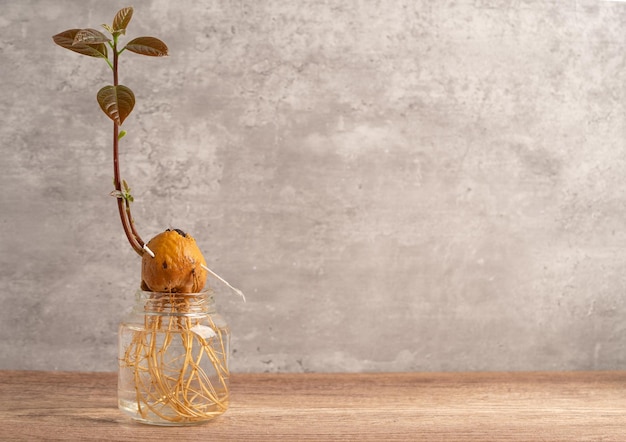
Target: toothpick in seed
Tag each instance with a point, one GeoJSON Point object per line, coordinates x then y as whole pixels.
{"type": "Point", "coordinates": [239, 292]}
{"type": "Point", "coordinates": [148, 251]}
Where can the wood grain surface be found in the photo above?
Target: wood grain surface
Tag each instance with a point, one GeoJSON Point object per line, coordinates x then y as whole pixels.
{"type": "Point", "coordinates": [545, 406]}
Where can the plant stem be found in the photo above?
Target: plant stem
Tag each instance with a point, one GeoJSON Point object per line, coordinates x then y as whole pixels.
{"type": "Point", "coordinates": [122, 205]}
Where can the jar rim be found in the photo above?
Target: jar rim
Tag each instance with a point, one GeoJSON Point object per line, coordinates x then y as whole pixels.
{"type": "Point", "coordinates": [207, 292]}
{"type": "Point", "coordinates": [175, 304]}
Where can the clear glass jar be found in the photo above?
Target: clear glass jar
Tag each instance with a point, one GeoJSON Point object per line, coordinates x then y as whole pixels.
{"type": "Point", "coordinates": [173, 359]}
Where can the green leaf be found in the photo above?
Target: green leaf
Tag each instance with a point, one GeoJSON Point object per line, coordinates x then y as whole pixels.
{"type": "Point", "coordinates": [121, 20]}
{"type": "Point", "coordinates": [116, 102]}
{"type": "Point", "coordinates": [150, 46]}
{"type": "Point", "coordinates": [90, 37]}
{"type": "Point", "coordinates": [65, 39]}
{"type": "Point", "coordinates": [121, 135]}
{"type": "Point", "coordinates": [126, 192]}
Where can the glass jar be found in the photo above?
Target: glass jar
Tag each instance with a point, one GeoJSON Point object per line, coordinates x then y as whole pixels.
{"type": "Point", "coordinates": [173, 359]}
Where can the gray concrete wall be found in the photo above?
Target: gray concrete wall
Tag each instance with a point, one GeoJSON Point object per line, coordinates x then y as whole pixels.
{"type": "Point", "coordinates": [395, 185]}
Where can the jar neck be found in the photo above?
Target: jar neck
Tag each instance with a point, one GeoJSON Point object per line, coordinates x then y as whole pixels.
{"type": "Point", "coordinates": [181, 304]}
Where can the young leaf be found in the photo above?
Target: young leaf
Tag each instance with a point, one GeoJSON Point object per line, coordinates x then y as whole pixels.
{"type": "Point", "coordinates": [121, 20]}
{"type": "Point", "coordinates": [90, 37]}
{"type": "Point", "coordinates": [108, 28]}
{"type": "Point", "coordinates": [126, 192]}
{"type": "Point", "coordinates": [116, 102]}
{"type": "Point", "coordinates": [150, 46]}
{"type": "Point", "coordinates": [65, 39]}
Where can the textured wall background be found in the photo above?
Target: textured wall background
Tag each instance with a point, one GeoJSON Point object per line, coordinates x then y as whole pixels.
{"type": "Point", "coordinates": [395, 185]}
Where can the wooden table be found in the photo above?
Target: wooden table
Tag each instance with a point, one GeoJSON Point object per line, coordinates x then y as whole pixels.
{"type": "Point", "coordinates": [571, 406]}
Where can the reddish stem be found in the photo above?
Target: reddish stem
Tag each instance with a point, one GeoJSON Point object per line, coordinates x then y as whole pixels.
{"type": "Point", "coordinates": [122, 205]}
